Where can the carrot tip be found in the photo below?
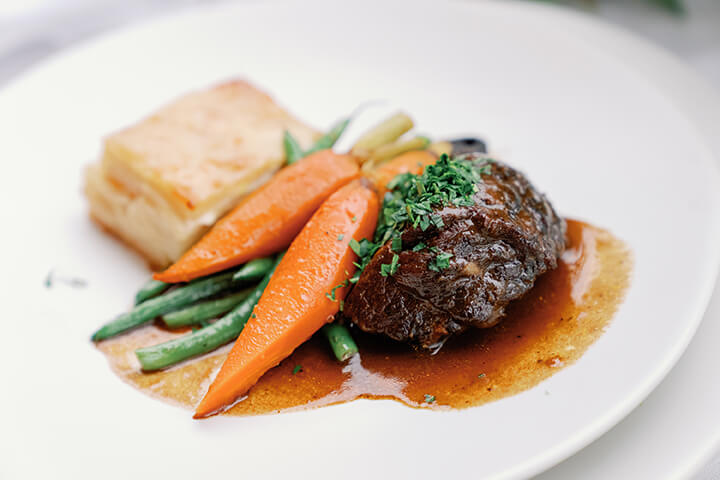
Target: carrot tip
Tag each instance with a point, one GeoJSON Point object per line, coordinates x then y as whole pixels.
{"type": "Point", "coordinates": [201, 413]}
{"type": "Point", "coordinates": [244, 233]}
{"type": "Point", "coordinates": [271, 335]}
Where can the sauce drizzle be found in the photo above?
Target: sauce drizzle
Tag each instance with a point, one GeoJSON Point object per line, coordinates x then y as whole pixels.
{"type": "Point", "coordinates": [548, 329]}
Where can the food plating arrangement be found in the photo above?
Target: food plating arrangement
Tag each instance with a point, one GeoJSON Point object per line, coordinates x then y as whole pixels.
{"type": "Point", "coordinates": [421, 270]}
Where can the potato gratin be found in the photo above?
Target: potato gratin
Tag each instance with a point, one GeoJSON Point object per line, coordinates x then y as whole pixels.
{"type": "Point", "coordinates": [164, 181]}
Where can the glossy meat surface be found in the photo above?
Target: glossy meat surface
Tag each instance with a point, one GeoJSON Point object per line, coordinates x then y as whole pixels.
{"type": "Point", "coordinates": [499, 246]}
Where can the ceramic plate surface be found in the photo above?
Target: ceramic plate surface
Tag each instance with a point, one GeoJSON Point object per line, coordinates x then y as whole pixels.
{"type": "Point", "coordinates": [607, 142]}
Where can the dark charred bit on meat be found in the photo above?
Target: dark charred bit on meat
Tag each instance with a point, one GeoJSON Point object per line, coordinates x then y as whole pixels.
{"type": "Point", "coordinates": [499, 246]}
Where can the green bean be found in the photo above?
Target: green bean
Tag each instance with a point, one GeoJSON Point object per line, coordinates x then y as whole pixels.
{"type": "Point", "coordinates": [173, 300]}
{"type": "Point", "coordinates": [203, 311]}
{"type": "Point", "coordinates": [392, 150]}
{"type": "Point", "coordinates": [387, 131]}
{"type": "Point", "coordinates": [330, 138]}
{"type": "Point", "coordinates": [152, 288]}
{"type": "Point", "coordinates": [206, 339]}
{"type": "Point", "coordinates": [341, 342]}
{"type": "Point", "coordinates": [254, 270]}
{"type": "Point", "coordinates": [293, 151]}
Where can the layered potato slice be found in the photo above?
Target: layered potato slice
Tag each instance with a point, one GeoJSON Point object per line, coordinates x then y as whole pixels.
{"type": "Point", "coordinates": [164, 181]}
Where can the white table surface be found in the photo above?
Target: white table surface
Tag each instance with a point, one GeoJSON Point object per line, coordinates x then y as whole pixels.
{"type": "Point", "coordinates": [30, 30]}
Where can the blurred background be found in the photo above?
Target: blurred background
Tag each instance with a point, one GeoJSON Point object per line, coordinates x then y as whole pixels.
{"type": "Point", "coordinates": [31, 30]}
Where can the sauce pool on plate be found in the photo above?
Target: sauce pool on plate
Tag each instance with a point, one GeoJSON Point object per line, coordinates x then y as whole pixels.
{"type": "Point", "coordinates": [548, 329]}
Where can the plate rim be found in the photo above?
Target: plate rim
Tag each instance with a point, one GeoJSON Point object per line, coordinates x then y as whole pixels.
{"type": "Point", "coordinates": [592, 431]}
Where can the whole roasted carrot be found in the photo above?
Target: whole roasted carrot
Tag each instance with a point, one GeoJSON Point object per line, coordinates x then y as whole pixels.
{"type": "Point", "coordinates": [304, 293]}
{"type": "Point", "coordinates": [410, 162]}
{"type": "Point", "coordinates": [268, 219]}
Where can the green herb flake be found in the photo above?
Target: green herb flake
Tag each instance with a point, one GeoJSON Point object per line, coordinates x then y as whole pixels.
{"type": "Point", "coordinates": [429, 398]}
{"type": "Point", "coordinates": [49, 280]}
{"type": "Point", "coordinates": [332, 295]}
{"type": "Point", "coordinates": [419, 247]}
{"type": "Point", "coordinates": [252, 315]}
{"type": "Point", "coordinates": [355, 247]}
{"type": "Point", "coordinates": [394, 263]}
{"type": "Point", "coordinates": [298, 368]}
{"type": "Point", "coordinates": [353, 219]}
{"type": "Point", "coordinates": [440, 262]}
{"type": "Point", "coordinates": [481, 375]}
{"type": "Point", "coordinates": [396, 244]}
{"type": "Point", "coordinates": [390, 268]}
{"type": "Point", "coordinates": [340, 237]}
{"type": "Point", "coordinates": [410, 202]}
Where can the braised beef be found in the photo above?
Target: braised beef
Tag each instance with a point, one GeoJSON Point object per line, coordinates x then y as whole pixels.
{"type": "Point", "coordinates": [499, 246]}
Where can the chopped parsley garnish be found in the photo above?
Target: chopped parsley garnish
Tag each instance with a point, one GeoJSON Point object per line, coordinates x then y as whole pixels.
{"type": "Point", "coordinates": [419, 247]}
{"type": "Point", "coordinates": [390, 268]}
{"type": "Point", "coordinates": [429, 398]}
{"type": "Point", "coordinates": [481, 375]}
{"type": "Point", "coordinates": [440, 262]}
{"type": "Point", "coordinates": [51, 279]}
{"type": "Point", "coordinates": [332, 295]}
{"type": "Point", "coordinates": [298, 368]}
{"type": "Point", "coordinates": [361, 248]}
{"type": "Point", "coordinates": [353, 219]}
{"type": "Point", "coordinates": [340, 237]}
{"type": "Point", "coordinates": [252, 315]}
{"type": "Point", "coordinates": [397, 244]}
{"type": "Point", "coordinates": [411, 201]}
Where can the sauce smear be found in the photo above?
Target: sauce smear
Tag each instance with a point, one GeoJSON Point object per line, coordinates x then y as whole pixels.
{"type": "Point", "coordinates": [549, 328]}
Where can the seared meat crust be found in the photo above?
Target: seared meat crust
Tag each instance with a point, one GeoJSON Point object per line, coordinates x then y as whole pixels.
{"type": "Point", "coordinates": [499, 246]}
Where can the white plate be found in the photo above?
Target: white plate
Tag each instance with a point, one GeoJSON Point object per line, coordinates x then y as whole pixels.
{"type": "Point", "coordinates": [605, 141]}
{"type": "Point", "coordinates": [674, 433]}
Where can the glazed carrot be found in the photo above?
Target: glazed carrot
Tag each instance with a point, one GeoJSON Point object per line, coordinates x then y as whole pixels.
{"type": "Point", "coordinates": [268, 219]}
{"type": "Point", "coordinates": [304, 293]}
{"type": "Point", "coordinates": [410, 162]}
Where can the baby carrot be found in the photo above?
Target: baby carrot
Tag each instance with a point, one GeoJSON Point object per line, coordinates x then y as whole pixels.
{"type": "Point", "coordinates": [267, 220]}
{"type": "Point", "coordinates": [302, 296]}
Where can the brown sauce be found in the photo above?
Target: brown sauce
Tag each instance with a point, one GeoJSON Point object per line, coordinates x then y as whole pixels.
{"type": "Point", "coordinates": [548, 329]}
